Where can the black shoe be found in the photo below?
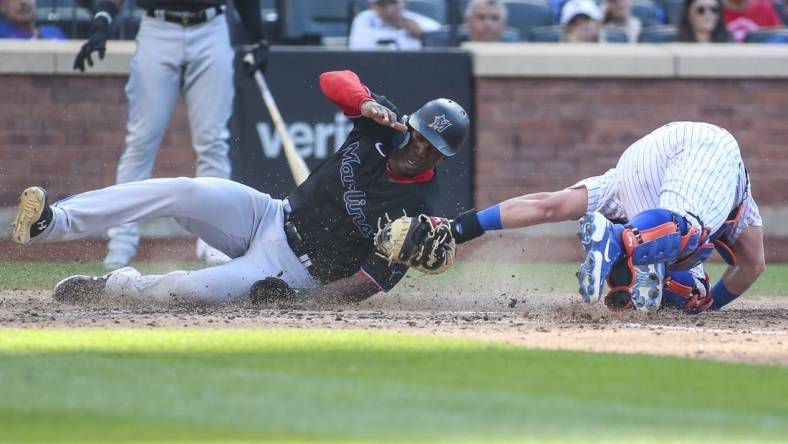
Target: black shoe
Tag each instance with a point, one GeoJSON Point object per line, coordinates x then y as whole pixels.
{"type": "Point", "coordinates": [33, 215]}
{"type": "Point", "coordinates": [80, 288]}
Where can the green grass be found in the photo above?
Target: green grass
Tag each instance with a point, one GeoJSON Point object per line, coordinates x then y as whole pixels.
{"type": "Point", "coordinates": [288, 386]}
{"type": "Point", "coordinates": [546, 276]}
{"type": "Point", "coordinates": [560, 276]}
{"type": "Point", "coordinates": [44, 275]}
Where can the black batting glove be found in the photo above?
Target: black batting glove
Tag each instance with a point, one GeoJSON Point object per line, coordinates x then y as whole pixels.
{"type": "Point", "coordinates": [99, 31]}
{"type": "Point", "coordinates": [259, 53]}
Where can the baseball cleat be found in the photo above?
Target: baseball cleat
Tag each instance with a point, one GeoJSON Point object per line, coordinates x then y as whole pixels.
{"type": "Point", "coordinates": [80, 289]}
{"type": "Point", "coordinates": [647, 290]}
{"type": "Point", "coordinates": [33, 215]}
{"type": "Point", "coordinates": [601, 240]}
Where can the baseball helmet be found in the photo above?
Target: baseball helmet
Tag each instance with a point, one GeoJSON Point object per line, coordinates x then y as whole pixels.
{"type": "Point", "coordinates": [443, 123]}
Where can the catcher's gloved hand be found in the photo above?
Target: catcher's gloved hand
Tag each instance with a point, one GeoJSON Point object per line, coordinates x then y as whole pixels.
{"type": "Point", "coordinates": [698, 302]}
{"type": "Point", "coordinates": [688, 293]}
{"type": "Point", "coordinates": [424, 243]}
{"type": "Point", "coordinates": [99, 31]}
{"type": "Point", "coordinates": [272, 290]}
{"type": "Point", "coordinates": [259, 57]}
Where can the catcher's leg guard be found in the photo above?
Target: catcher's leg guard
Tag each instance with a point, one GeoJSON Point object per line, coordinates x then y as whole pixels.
{"type": "Point", "coordinates": [635, 286]}
{"type": "Point", "coordinates": [620, 281]}
{"type": "Point", "coordinates": [686, 292]}
{"type": "Point", "coordinates": [602, 242]}
{"type": "Point", "coordinates": [662, 236]}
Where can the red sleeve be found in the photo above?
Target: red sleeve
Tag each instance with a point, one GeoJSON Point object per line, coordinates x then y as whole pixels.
{"type": "Point", "coordinates": [345, 89]}
{"type": "Point", "coordinates": [774, 18]}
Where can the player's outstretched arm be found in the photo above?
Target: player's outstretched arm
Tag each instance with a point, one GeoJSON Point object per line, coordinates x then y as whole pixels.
{"type": "Point", "coordinates": [750, 263]}
{"type": "Point", "coordinates": [523, 211]}
{"type": "Point", "coordinates": [540, 208]}
{"type": "Point", "coordinates": [349, 290]}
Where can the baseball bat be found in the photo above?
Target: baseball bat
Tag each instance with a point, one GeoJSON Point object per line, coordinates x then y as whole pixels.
{"type": "Point", "coordinates": [297, 165]}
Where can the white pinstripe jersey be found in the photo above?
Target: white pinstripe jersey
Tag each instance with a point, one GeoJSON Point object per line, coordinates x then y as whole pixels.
{"type": "Point", "coordinates": [692, 168]}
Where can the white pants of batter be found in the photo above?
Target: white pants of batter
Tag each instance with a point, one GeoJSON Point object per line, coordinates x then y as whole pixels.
{"type": "Point", "coordinates": [239, 221]}
{"type": "Point", "coordinates": [170, 58]}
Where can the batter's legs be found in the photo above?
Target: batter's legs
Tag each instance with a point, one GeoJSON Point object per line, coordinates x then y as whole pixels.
{"type": "Point", "coordinates": [208, 89]}
{"type": "Point", "coordinates": [152, 89]}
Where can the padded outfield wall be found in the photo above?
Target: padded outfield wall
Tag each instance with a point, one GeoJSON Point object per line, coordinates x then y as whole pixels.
{"type": "Point", "coordinates": [545, 116]}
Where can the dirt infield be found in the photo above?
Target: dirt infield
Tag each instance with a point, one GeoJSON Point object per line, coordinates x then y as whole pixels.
{"type": "Point", "coordinates": [754, 329]}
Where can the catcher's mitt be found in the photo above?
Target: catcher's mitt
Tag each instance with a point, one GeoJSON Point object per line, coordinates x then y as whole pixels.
{"type": "Point", "coordinates": [424, 243]}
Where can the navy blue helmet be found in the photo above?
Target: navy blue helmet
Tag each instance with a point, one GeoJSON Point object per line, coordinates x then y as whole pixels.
{"type": "Point", "coordinates": [443, 123]}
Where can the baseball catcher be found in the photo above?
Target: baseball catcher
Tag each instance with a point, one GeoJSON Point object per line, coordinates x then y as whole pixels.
{"type": "Point", "coordinates": [646, 226]}
{"type": "Point", "coordinates": [316, 246]}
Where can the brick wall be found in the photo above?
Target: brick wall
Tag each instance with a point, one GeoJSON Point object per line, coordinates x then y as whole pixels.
{"type": "Point", "coordinates": [543, 134]}
{"type": "Point", "coordinates": [66, 133]}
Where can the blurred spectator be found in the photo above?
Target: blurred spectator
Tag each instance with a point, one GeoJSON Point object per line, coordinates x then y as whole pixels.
{"type": "Point", "coordinates": [386, 24]}
{"type": "Point", "coordinates": [18, 21]}
{"type": "Point", "coordinates": [701, 22]}
{"type": "Point", "coordinates": [618, 13]}
{"type": "Point", "coordinates": [743, 16]}
{"type": "Point", "coordinates": [581, 21]}
{"type": "Point", "coordinates": [486, 20]}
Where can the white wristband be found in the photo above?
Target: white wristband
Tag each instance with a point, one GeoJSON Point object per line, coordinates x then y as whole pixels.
{"type": "Point", "coordinates": [104, 14]}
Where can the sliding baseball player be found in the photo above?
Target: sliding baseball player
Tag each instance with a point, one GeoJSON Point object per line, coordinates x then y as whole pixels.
{"type": "Point", "coordinates": [318, 241]}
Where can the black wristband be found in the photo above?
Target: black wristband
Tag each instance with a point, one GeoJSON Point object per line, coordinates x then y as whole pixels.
{"type": "Point", "coordinates": [466, 227]}
{"type": "Point", "coordinates": [107, 6]}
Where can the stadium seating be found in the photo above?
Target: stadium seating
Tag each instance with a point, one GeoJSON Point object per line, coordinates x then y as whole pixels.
{"type": "Point", "coordinates": [434, 9]}
{"type": "Point", "coordinates": [552, 34]}
{"type": "Point", "coordinates": [768, 35]}
{"type": "Point", "coordinates": [614, 35]}
{"type": "Point", "coordinates": [659, 34]}
{"type": "Point", "coordinates": [525, 15]}
{"type": "Point", "coordinates": [68, 15]}
{"type": "Point", "coordinates": [545, 34]}
{"type": "Point", "coordinates": [307, 21]}
{"type": "Point", "coordinates": [647, 11]}
{"type": "Point", "coordinates": [440, 39]}
{"type": "Point", "coordinates": [672, 11]}
{"type": "Point", "coordinates": [779, 7]}
{"type": "Point", "coordinates": [127, 22]}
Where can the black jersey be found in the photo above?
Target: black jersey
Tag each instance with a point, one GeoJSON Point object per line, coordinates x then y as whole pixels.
{"type": "Point", "coordinates": [336, 210]}
{"type": "Point", "coordinates": [179, 5]}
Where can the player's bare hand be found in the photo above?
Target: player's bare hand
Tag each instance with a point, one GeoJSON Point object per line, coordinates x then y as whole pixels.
{"type": "Point", "coordinates": [273, 291]}
{"type": "Point", "coordinates": [382, 115]}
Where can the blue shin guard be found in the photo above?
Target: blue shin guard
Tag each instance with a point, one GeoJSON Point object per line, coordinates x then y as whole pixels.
{"type": "Point", "coordinates": [662, 236]}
